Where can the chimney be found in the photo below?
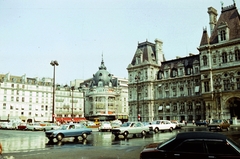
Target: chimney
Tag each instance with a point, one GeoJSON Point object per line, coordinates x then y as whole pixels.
{"type": "Point", "coordinates": [212, 18]}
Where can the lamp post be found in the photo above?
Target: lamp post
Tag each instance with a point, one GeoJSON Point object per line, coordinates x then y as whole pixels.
{"type": "Point", "coordinates": [72, 88]}
{"type": "Point", "coordinates": [138, 113]}
{"type": "Point", "coordinates": [53, 63]}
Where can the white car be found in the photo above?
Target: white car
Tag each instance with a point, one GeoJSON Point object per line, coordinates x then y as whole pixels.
{"type": "Point", "coordinates": [34, 126]}
{"type": "Point", "coordinates": [7, 125]}
{"type": "Point", "coordinates": [131, 128]}
{"type": "Point", "coordinates": [162, 125]}
{"type": "Point", "coordinates": [105, 126]}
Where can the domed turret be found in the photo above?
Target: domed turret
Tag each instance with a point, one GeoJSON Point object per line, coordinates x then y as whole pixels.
{"type": "Point", "coordinates": [102, 77]}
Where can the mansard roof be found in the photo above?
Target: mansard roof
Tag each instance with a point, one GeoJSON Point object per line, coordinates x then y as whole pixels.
{"type": "Point", "coordinates": [188, 61]}
{"type": "Point", "coordinates": [230, 16]}
{"type": "Point", "coordinates": [147, 49]}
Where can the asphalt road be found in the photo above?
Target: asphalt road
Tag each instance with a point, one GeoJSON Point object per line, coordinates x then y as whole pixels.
{"type": "Point", "coordinates": [99, 145]}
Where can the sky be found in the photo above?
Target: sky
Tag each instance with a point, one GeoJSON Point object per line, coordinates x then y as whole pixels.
{"type": "Point", "coordinates": [79, 33]}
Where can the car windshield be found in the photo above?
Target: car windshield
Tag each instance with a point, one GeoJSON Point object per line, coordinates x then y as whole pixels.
{"type": "Point", "coordinates": [126, 124]}
{"type": "Point", "coordinates": [216, 121]}
{"type": "Point", "coordinates": [64, 127]}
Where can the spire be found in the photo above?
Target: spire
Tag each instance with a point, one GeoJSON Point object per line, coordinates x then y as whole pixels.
{"type": "Point", "coordinates": [205, 38]}
{"type": "Point", "coordinates": [102, 67]}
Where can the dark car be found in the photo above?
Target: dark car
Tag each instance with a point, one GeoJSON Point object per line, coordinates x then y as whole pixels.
{"type": "Point", "coordinates": [193, 145]}
{"type": "Point", "coordinates": [201, 122]}
{"type": "Point", "coordinates": [219, 124]}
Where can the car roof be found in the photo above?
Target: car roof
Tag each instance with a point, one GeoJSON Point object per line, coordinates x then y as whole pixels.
{"type": "Point", "coordinates": [200, 135]}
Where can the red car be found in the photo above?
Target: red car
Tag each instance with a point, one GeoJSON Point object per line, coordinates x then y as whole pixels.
{"type": "Point", "coordinates": [22, 126]}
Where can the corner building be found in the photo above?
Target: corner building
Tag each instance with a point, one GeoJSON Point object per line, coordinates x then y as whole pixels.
{"type": "Point", "coordinates": [197, 87]}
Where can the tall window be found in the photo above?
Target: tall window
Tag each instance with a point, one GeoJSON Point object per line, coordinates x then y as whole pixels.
{"type": "Point", "coordinates": [226, 84]}
{"type": "Point", "coordinates": [204, 60]}
{"type": "Point", "coordinates": [223, 35]}
{"type": "Point", "coordinates": [224, 57]}
{"type": "Point", "coordinates": [206, 86]}
{"type": "Point", "coordinates": [237, 55]}
{"type": "Point", "coordinates": [189, 91]}
{"type": "Point", "coordinates": [238, 83]}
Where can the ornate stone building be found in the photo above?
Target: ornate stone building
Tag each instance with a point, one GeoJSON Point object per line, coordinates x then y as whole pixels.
{"type": "Point", "coordinates": [200, 86]}
{"type": "Point", "coordinates": [106, 96]}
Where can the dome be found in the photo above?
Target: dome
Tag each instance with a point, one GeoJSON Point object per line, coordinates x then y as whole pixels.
{"type": "Point", "coordinates": [102, 77]}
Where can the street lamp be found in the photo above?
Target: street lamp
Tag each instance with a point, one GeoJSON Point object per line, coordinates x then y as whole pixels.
{"type": "Point", "coordinates": [137, 78]}
{"type": "Point", "coordinates": [53, 63]}
{"type": "Point", "coordinates": [72, 88]}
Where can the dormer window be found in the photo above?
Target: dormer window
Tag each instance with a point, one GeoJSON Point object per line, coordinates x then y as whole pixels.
{"type": "Point", "coordinates": [223, 32]}
{"type": "Point", "coordinates": [223, 35]}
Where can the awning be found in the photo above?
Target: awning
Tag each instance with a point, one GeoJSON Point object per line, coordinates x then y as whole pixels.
{"type": "Point", "coordinates": [69, 119]}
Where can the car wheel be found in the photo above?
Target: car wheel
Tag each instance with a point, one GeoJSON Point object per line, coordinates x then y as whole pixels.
{"type": "Point", "coordinates": [125, 134]}
{"type": "Point", "coordinates": [84, 135]}
{"type": "Point", "coordinates": [156, 130]}
{"type": "Point", "coordinates": [171, 129]}
{"type": "Point", "coordinates": [59, 137]}
{"type": "Point", "coordinates": [44, 129]}
{"type": "Point", "coordinates": [143, 133]}
{"type": "Point", "coordinates": [34, 129]}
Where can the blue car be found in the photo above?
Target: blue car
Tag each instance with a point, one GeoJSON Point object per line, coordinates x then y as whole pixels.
{"type": "Point", "coordinates": [69, 130]}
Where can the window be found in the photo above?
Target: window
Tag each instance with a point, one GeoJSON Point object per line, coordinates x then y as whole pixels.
{"type": "Point", "coordinates": [222, 35]}
{"type": "Point", "coordinates": [238, 83]}
{"type": "Point", "coordinates": [206, 86]}
{"type": "Point", "coordinates": [237, 55]}
{"type": "Point", "coordinates": [196, 70]}
{"type": "Point", "coordinates": [216, 147]}
{"type": "Point", "coordinates": [191, 146]}
{"type": "Point", "coordinates": [189, 91]}
{"type": "Point", "coordinates": [226, 85]}
{"type": "Point", "coordinates": [204, 60]}
{"type": "Point", "coordinates": [224, 57]}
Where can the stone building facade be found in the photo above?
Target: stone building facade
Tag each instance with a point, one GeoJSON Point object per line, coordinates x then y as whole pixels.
{"type": "Point", "coordinates": [106, 96]}
{"type": "Point", "coordinates": [197, 87]}
{"type": "Point", "coordinates": [24, 98]}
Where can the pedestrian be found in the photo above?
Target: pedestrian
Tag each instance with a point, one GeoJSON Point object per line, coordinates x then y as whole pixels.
{"type": "Point", "coordinates": [1, 150]}
{"type": "Point", "coordinates": [193, 122]}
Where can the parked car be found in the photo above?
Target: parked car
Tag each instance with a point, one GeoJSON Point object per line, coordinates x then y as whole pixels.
{"type": "Point", "coordinates": [162, 125]}
{"type": "Point", "coordinates": [34, 126]}
{"type": "Point", "coordinates": [179, 125]}
{"type": "Point", "coordinates": [69, 130]}
{"type": "Point", "coordinates": [49, 126]}
{"type": "Point", "coordinates": [22, 126]}
{"type": "Point", "coordinates": [116, 123]}
{"type": "Point", "coordinates": [219, 124]}
{"type": "Point", "coordinates": [201, 122]}
{"type": "Point", "coordinates": [189, 145]}
{"type": "Point", "coordinates": [7, 125]}
{"type": "Point", "coordinates": [130, 128]}
{"type": "Point", "coordinates": [105, 126]}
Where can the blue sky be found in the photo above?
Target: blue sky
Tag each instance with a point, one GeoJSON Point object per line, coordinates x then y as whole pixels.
{"type": "Point", "coordinates": [76, 33]}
